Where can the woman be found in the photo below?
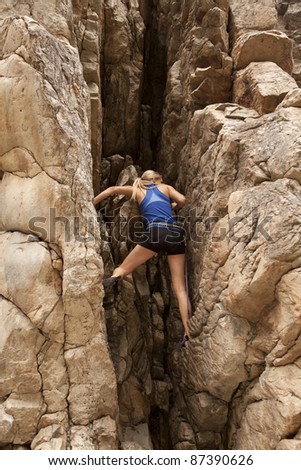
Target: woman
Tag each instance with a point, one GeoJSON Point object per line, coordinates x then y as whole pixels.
{"type": "Point", "coordinates": [156, 201]}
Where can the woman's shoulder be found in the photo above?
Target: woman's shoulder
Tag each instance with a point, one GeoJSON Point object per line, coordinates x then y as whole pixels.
{"type": "Point", "coordinates": [164, 188]}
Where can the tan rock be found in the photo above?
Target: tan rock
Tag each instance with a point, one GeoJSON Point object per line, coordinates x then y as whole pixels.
{"type": "Point", "coordinates": [223, 367]}
{"type": "Point", "coordinates": [286, 321]}
{"type": "Point", "coordinates": [262, 86]}
{"type": "Point", "coordinates": [60, 417]}
{"type": "Point", "coordinates": [208, 439]}
{"type": "Point", "coordinates": [198, 406]}
{"type": "Point", "coordinates": [214, 25]}
{"type": "Point", "coordinates": [56, 16]}
{"type": "Point", "coordinates": [92, 382]}
{"type": "Point", "coordinates": [292, 16]}
{"type": "Point", "coordinates": [6, 426]}
{"type": "Point", "coordinates": [289, 444]}
{"type": "Point", "coordinates": [186, 436]}
{"type": "Point", "coordinates": [200, 53]}
{"type": "Point", "coordinates": [181, 432]}
{"type": "Point", "coordinates": [81, 438]}
{"type": "Point", "coordinates": [105, 433]}
{"type": "Point", "coordinates": [205, 82]}
{"type": "Point", "coordinates": [134, 405]}
{"type": "Point", "coordinates": [20, 162]}
{"type": "Point", "coordinates": [123, 61]}
{"type": "Point", "coordinates": [52, 437]}
{"type": "Point", "coordinates": [96, 130]}
{"type": "Point", "coordinates": [89, 31]}
{"type": "Point", "coordinates": [262, 273]}
{"type": "Point", "coordinates": [52, 365]}
{"type": "Point", "coordinates": [252, 16]}
{"type": "Point", "coordinates": [265, 46]}
{"type": "Point", "coordinates": [20, 377]}
{"type": "Point", "coordinates": [20, 343]}
{"type": "Point", "coordinates": [174, 122]}
{"type": "Point", "coordinates": [26, 410]}
{"type": "Point", "coordinates": [136, 438]}
{"type": "Point", "coordinates": [38, 279]}
{"type": "Point", "coordinates": [199, 72]}
{"type": "Point", "coordinates": [272, 411]}
{"type": "Point", "coordinates": [293, 98]}
{"type": "Point", "coordinates": [241, 175]}
{"type": "Point", "coordinates": [46, 192]}
{"type": "Point", "coordinates": [30, 194]}
{"type": "Point", "coordinates": [230, 221]}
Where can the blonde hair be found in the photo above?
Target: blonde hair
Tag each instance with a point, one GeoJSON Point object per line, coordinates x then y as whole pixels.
{"type": "Point", "coordinates": [141, 182]}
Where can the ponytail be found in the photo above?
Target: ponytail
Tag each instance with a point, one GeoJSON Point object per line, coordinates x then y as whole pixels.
{"type": "Point", "coordinates": [137, 185]}
{"type": "Point", "coordinates": [146, 178]}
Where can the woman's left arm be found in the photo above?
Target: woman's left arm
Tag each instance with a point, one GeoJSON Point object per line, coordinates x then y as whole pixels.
{"type": "Point", "coordinates": [125, 190]}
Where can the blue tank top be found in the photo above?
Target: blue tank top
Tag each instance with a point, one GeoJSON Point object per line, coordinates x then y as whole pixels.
{"type": "Point", "coordinates": [156, 207]}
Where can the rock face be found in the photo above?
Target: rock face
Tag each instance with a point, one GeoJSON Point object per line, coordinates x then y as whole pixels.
{"type": "Point", "coordinates": [240, 252]}
{"type": "Point", "coordinates": [289, 22]}
{"type": "Point", "coordinates": [259, 16]}
{"type": "Point", "coordinates": [123, 72]}
{"type": "Point", "coordinates": [199, 73]}
{"type": "Point", "coordinates": [92, 92]}
{"type": "Point", "coordinates": [51, 267]}
{"type": "Point", "coordinates": [88, 24]}
{"type": "Point", "coordinates": [247, 238]}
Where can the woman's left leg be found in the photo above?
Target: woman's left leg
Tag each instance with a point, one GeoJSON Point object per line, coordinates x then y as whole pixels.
{"type": "Point", "coordinates": [135, 258]}
{"type": "Point", "coordinates": [177, 270]}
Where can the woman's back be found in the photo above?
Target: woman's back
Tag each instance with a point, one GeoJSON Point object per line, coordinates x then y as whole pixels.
{"type": "Point", "coordinates": [155, 204]}
{"type": "Point", "coordinates": [163, 188]}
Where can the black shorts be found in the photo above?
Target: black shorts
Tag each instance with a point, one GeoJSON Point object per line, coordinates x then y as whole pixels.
{"type": "Point", "coordinates": [158, 238]}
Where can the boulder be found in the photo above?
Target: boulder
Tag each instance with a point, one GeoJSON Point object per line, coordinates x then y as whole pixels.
{"type": "Point", "coordinates": [262, 86]}
{"type": "Point", "coordinates": [252, 16]}
{"type": "Point", "coordinates": [263, 46]}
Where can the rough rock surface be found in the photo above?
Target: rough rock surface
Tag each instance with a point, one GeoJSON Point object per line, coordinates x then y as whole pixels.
{"type": "Point", "coordinates": [289, 22]}
{"type": "Point", "coordinates": [253, 15]}
{"type": "Point", "coordinates": [265, 46]}
{"type": "Point", "coordinates": [248, 239]}
{"type": "Point", "coordinates": [93, 92]}
{"type": "Point", "coordinates": [241, 174]}
{"type": "Point", "coordinates": [51, 267]}
{"type": "Point", "coordinates": [123, 73]}
{"type": "Point", "coordinates": [199, 73]}
{"type": "Point", "coordinates": [262, 86]}
{"type": "Point", "coordinates": [88, 21]}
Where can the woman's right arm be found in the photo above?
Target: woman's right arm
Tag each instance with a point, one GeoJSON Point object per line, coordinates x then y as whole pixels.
{"type": "Point", "coordinates": [125, 190]}
{"type": "Point", "coordinates": [179, 198]}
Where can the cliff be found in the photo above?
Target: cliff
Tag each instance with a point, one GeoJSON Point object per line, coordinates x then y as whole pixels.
{"type": "Point", "coordinates": [93, 92]}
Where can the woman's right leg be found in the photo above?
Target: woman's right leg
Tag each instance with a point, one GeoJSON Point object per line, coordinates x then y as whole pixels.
{"type": "Point", "coordinates": [135, 258]}
{"type": "Point", "coordinates": [177, 271]}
